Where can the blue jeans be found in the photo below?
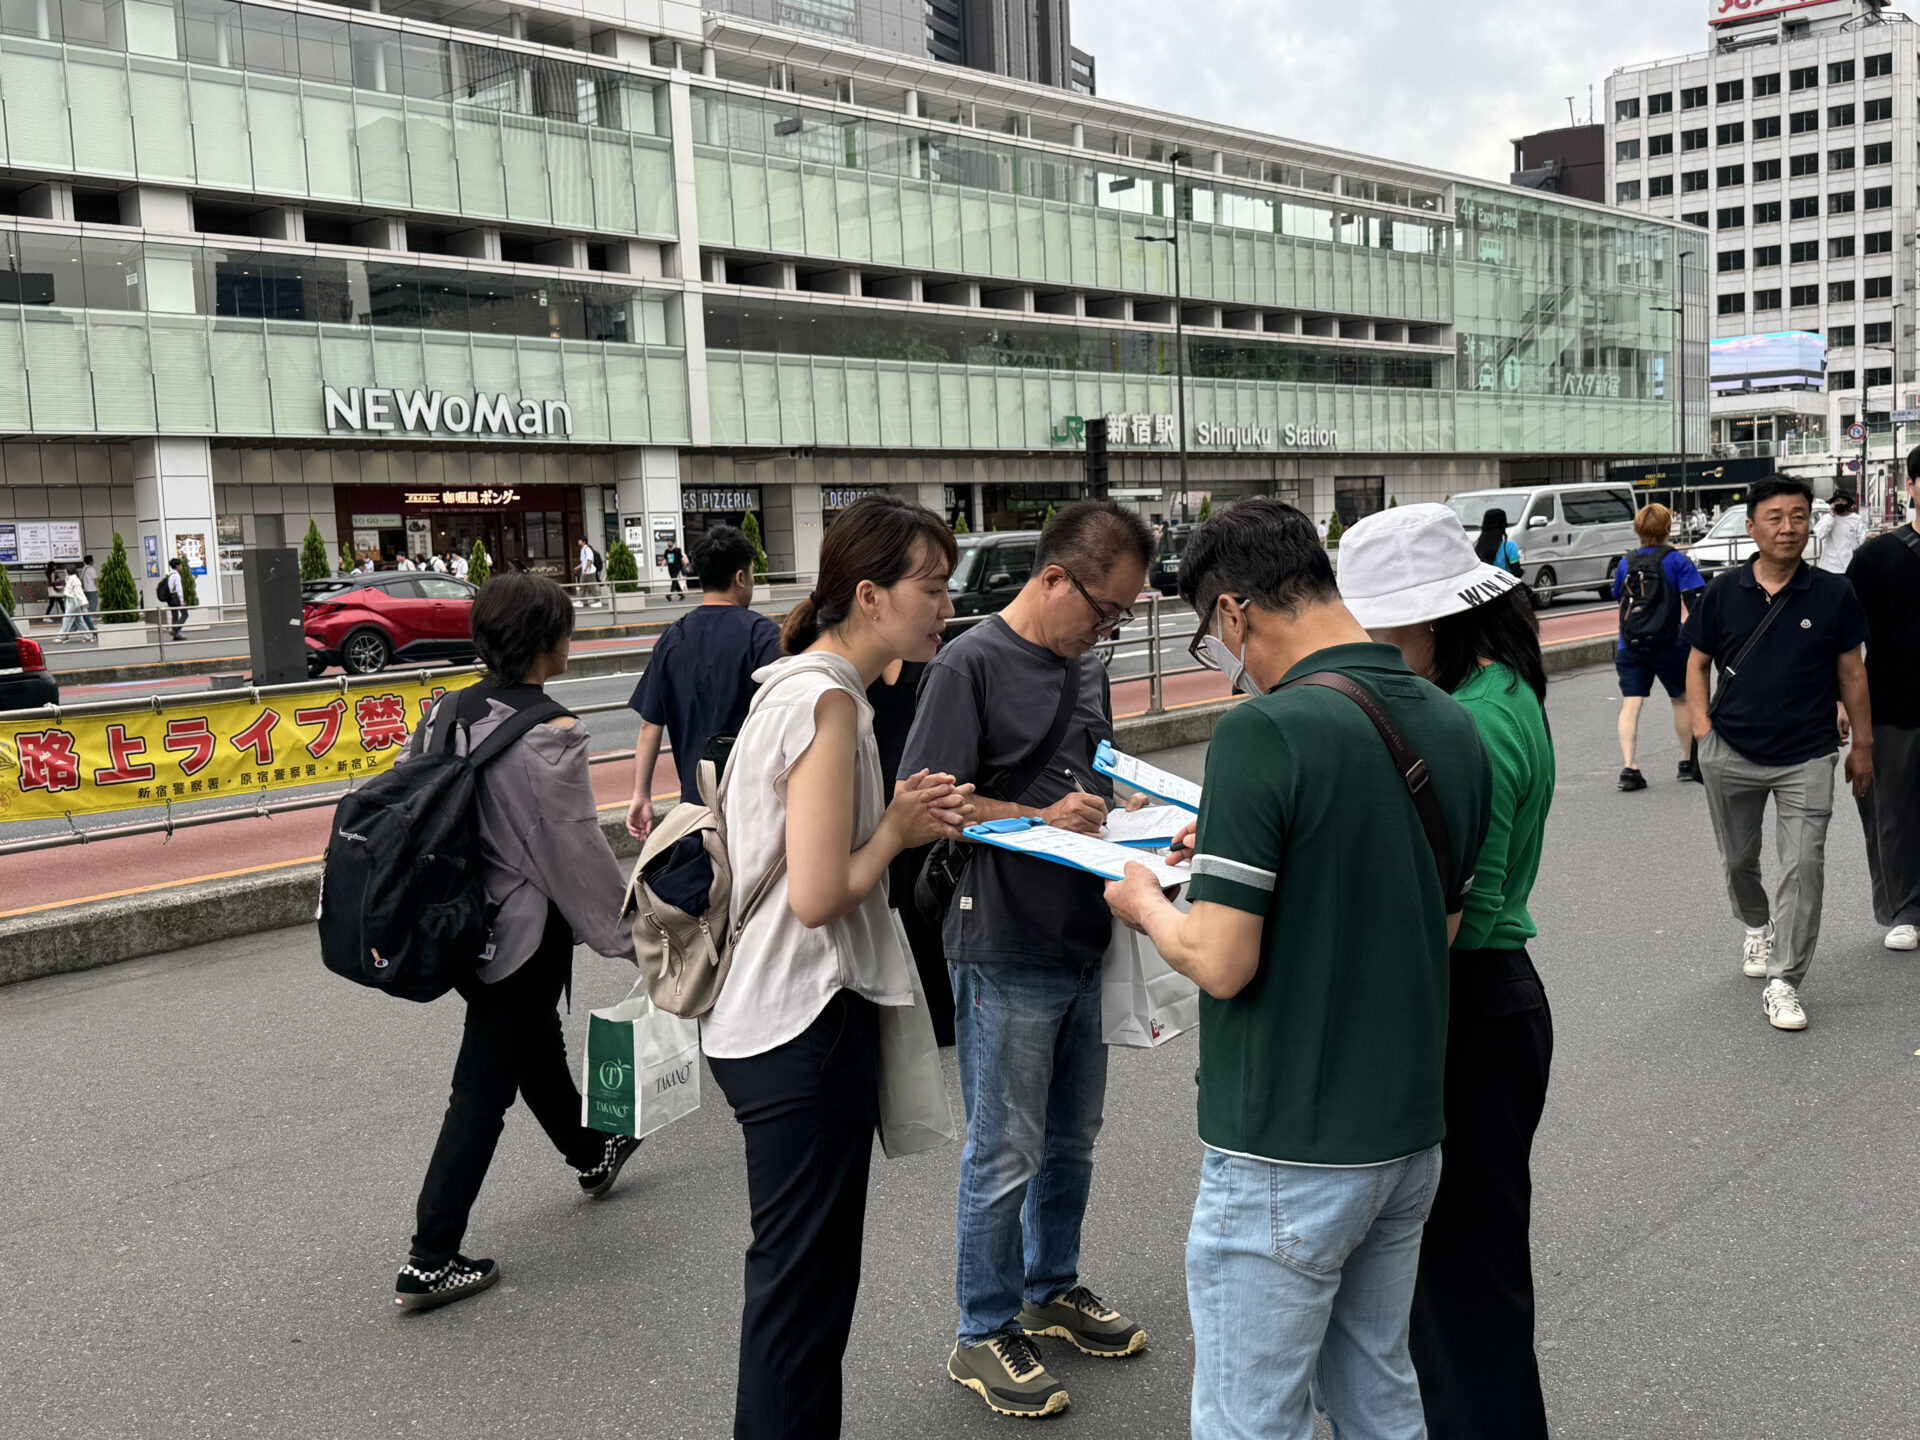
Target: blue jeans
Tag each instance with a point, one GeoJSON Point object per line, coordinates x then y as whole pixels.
{"type": "Point", "coordinates": [1033, 1074]}
{"type": "Point", "coordinates": [1300, 1279]}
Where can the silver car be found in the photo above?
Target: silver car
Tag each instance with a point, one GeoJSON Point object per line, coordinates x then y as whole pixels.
{"type": "Point", "coordinates": [1568, 535]}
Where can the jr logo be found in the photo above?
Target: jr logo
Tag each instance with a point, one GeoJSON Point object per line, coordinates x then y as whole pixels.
{"type": "Point", "coordinates": [1074, 433]}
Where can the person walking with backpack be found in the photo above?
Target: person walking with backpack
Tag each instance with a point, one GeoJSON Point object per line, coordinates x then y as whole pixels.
{"type": "Point", "coordinates": [551, 880]}
{"type": "Point", "coordinates": [1788, 641]}
{"type": "Point", "coordinates": [1493, 545]}
{"type": "Point", "coordinates": [676, 563]}
{"type": "Point", "coordinates": [1655, 586]}
{"type": "Point", "coordinates": [793, 1039]}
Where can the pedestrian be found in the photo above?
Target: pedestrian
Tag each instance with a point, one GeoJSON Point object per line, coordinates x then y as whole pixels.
{"type": "Point", "coordinates": [1493, 546]}
{"type": "Point", "coordinates": [551, 882]}
{"type": "Point", "coordinates": [676, 562]}
{"type": "Point", "coordinates": [1323, 1013]}
{"type": "Point", "coordinates": [793, 1040]}
{"type": "Point", "coordinates": [588, 570]}
{"type": "Point", "coordinates": [439, 564]}
{"type": "Point", "coordinates": [74, 597]}
{"type": "Point", "coordinates": [1886, 577]}
{"type": "Point", "coordinates": [173, 593]}
{"type": "Point", "coordinates": [1655, 585]}
{"type": "Point", "coordinates": [1413, 579]}
{"type": "Point", "coordinates": [1018, 705]}
{"type": "Point", "coordinates": [403, 563]}
{"type": "Point", "coordinates": [90, 582]}
{"type": "Point", "coordinates": [56, 590]}
{"type": "Point", "coordinates": [894, 700]}
{"type": "Point", "coordinates": [699, 676]}
{"type": "Point", "coordinates": [459, 563]}
{"type": "Point", "coordinates": [1841, 531]}
{"type": "Point", "coordinates": [1787, 639]}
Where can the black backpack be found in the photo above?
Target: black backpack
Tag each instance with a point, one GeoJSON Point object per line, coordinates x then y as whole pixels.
{"type": "Point", "coordinates": [402, 905]}
{"type": "Point", "coordinates": [1649, 605]}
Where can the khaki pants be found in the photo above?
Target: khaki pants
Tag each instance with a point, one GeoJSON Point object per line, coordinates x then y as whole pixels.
{"type": "Point", "coordinates": [1737, 791]}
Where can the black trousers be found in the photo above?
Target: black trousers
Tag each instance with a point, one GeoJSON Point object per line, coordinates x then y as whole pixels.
{"type": "Point", "coordinates": [512, 1044]}
{"type": "Point", "coordinates": [1472, 1336]}
{"type": "Point", "coordinates": [808, 1108]}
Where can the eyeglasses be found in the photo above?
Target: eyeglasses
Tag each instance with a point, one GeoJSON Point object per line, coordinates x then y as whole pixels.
{"type": "Point", "coordinates": [1110, 623]}
{"type": "Point", "coordinates": [1197, 647]}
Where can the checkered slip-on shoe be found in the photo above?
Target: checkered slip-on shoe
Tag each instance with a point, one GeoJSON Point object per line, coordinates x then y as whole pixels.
{"type": "Point", "coordinates": [599, 1180]}
{"type": "Point", "coordinates": [421, 1287]}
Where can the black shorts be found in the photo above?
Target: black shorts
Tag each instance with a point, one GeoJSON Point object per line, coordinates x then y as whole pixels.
{"type": "Point", "coordinates": [1637, 671]}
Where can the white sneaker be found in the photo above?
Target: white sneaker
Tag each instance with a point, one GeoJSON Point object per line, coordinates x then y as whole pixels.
{"type": "Point", "coordinates": [1903, 937]}
{"type": "Point", "coordinates": [1757, 951]}
{"type": "Point", "coordinates": [1782, 1003]}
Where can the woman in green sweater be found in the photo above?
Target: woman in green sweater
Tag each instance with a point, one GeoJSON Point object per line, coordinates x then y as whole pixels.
{"type": "Point", "coordinates": [1411, 577]}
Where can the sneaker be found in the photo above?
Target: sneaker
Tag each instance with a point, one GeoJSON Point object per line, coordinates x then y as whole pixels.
{"type": "Point", "coordinates": [1084, 1319]}
{"type": "Point", "coordinates": [599, 1180]}
{"type": "Point", "coordinates": [1757, 952]}
{"type": "Point", "coordinates": [1632, 779]}
{"type": "Point", "coordinates": [1006, 1373]}
{"type": "Point", "coordinates": [1903, 937]}
{"type": "Point", "coordinates": [1783, 1007]}
{"type": "Point", "coordinates": [420, 1288]}
{"type": "Point", "coordinates": [1688, 774]}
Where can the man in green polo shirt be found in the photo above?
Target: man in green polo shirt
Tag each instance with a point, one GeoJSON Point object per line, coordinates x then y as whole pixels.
{"type": "Point", "coordinates": [1319, 934]}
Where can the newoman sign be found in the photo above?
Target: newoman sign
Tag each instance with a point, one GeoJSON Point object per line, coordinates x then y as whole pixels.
{"type": "Point", "coordinates": [1728, 12]}
{"type": "Point", "coordinates": [373, 409]}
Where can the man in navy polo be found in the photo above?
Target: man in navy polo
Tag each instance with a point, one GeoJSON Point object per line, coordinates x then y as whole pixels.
{"type": "Point", "coordinates": [1771, 728]}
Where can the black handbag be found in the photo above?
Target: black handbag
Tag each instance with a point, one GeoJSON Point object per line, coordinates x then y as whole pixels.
{"type": "Point", "coordinates": [946, 863]}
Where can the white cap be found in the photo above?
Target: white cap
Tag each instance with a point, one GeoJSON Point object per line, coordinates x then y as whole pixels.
{"type": "Point", "coordinates": [1413, 564]}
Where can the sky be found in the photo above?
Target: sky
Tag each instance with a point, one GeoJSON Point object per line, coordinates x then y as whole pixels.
{"type": "Point", "coordinates": [1445, 83]}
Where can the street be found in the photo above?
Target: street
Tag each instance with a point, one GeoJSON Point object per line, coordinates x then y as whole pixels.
{"type": "Point", "coordinates": [213, 1158]}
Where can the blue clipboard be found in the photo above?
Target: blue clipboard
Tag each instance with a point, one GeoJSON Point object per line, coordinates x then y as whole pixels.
{"type": "Point", "coordinates": [1113, 858]}
{"type": "Point", "coordinates": [1168, 788]}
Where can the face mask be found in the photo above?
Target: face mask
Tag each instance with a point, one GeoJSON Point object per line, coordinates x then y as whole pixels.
{"type": "Point", "coordinates": [1230, 665]}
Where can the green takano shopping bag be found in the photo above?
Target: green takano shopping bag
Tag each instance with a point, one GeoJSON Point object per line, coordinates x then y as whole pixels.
{"type": "Point", "coordinates": [642, 1067]}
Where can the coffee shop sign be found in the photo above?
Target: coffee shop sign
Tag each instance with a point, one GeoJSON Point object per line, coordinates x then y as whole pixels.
{"type": "Point", "coordinates": [374, 408]}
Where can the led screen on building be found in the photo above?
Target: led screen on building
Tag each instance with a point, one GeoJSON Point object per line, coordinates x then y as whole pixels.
{"type": "Point", "coordinates": [1784, 360]}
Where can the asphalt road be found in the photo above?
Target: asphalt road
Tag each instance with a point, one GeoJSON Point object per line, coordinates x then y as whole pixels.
{"type": "Point", "coordinates": [212, 1158]}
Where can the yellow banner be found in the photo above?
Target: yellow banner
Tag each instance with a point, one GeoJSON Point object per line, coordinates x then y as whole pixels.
{"type": "Point", "coordinates": [85, 764]}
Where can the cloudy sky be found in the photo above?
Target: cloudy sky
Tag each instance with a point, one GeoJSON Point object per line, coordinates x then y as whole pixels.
{"type": "Point", "coordinates": [1447, 83]}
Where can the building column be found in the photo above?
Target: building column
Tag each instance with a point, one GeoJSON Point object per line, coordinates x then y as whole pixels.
{"type": "Point", "coordinates": [793, 522]}
{"type": "Point", "coordinates": [648, 480]}
{"type": "Point", "coordinates": [172, 505]}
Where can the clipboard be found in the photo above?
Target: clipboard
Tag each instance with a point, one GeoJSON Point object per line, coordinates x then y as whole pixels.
{"type": "Point", "coordinates": [1027, 835]}
{"type": "Point", "coordinates": [1152, 827]}
{"type": "Point", "coordinates": [1149, 779]}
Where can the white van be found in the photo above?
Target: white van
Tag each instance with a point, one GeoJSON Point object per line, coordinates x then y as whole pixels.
{"type": "Point", "coordinates": [1567, 534]}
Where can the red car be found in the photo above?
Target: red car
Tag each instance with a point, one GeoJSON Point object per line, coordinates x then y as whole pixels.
{"type": "Point", "coordinates": [365, 623]}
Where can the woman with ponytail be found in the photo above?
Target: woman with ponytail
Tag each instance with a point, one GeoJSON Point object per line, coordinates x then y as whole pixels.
{"type": "Point", "coordinates": [794, 1038]}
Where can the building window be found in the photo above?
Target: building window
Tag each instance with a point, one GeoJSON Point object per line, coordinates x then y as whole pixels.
{"type": "Point", "coordinates": [1880, 153]}
{"type": "Point", "coordinates": [1767, 212]}
{"type": "Point", "coordinates": [1840, 72]}
{"type": "Point", "coordinates": [1879, 375]}
{"type": "Point", "coordinates": [1693, 140]}
{"type": "Point", "coordinates": [1803, 252]}
{"type": "Point", "coordinates": [1659, 145]}
{"type": "Point", "coordinates": [1804, 295]}
{"type": "Point", "coordinates": [1880, 332]}
{"type": "Point", "coordinates": [1626, 110]}
{"type": "Point", "coordinates": [1803, 122]}
{"type": "Point", "coordinates": [1880, 197]}
{"type": "Point", "coordinates": [1839, 116]}
{"type": "Point", "coordinates": [1692, 97]}
{"type": "Point", "coordinates": [1805, 78]}
{"type": "Point", "coordinates": [1765, 255]}
{"type": "Point", "coordinates": [1765, 85]}
{"type": "Point", "coordinates": [1692, 180]}
{"type": "Point", "coordinates": [1803, 164]}
{"type": "Point", "coordinates": [1661, 104]}
{"type": "Point", "coordinates": [1626, 190]}
{"type": "Point", "coordinates": [1626, 150]}
{"type": "Point", "coordinates": [1730, 175]}
{"type": "Point", "coordinates": [1731, 260]}
{"type": "Point", "coordinates": [1841, 202]}
{"type": "Point", "coordinates": [1732, 133]}
{"type": "Point", "coordinates": [1766, 300]}
{"type": "Point", "coordinates": [1840, 337]}
{"type": "Point", "coordinates": [1880, 242]}
{"type": "Point", "coordinates": [1840, 292]}
{"type": "Point", "coordinates": [1879, 287]}
{"type": "Point", "coordinates": [1733, 304]}
{"type": "Point", "coordinates": [1877, 110]}
{"type": "Point", "coordinates": [1840, 247]}
{"type": "Point", "coordinates": [1878, 65]}
{"type": "Point", "coordinates": [1765, 170]}
{"type": "Point", "coordinates": [1359, 496]}
{"type": "Point", "coordinates": [1766, 127]}
{"type": "Point", "coordinates": [1729, 92]}
{"type": "Point", "coordinates": [1840, 380]}
{"type": "Point", "coordinates": [1839, 159]}
{"type": "Point", "coordinates": [1659, 185]}
{"type": "Point", "coordinates": [1732, 218]}
{"type": "Point", "coordinates": [1803, 207]}
{"type": "Point", "coordinates": [1696, 218]}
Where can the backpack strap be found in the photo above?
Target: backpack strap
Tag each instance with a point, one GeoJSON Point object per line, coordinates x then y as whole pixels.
{"type": "Point", "coordinates": [530, 706]}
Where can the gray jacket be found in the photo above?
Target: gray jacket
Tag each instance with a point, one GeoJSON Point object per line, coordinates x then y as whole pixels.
{"type": "Point", "coordinates": [541, 838]}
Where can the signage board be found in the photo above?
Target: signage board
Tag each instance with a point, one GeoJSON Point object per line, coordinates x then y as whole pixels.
{"type": "Point", "coordinates": [1856, 432]}
{"type": "Point", "coordinates": [191, 545]}
{"type": "Point", "coordinates": [63, 539]}
{"type": "Point", "coordinates": [839, 497]}
{"type": "Point", "coordinates": [9, 543]}
{"type": "Point", "coordinates": [36, 545]}
{"type": "Point", "coordinates": [151, 545]}
{"type": "Point", "coordinates": [1731, 12]}
{"type": "Point", "coordinates": [1780, 360]}
{"type": "Point", "coordinates": [374, 409]}
{"type": "Point", "coordinates": [1904, 417]}
{"type": "Point", "coordinates": [666, 530]}
{"type": "Point", "coordinates": [700, 502]}
{"type": "Point", "coordinates": [377, 522]}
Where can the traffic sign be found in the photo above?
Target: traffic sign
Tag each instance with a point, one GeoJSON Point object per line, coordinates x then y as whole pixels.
{"type": "Point", "coordinates": [1904, 417]}
{"type": "Point", "coordinates": [1856, 432]}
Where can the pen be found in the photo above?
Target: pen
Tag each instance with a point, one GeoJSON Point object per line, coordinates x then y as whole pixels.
{"type": "Point", "coordinates": [1074, 780]}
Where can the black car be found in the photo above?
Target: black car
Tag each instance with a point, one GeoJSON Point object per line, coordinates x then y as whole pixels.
{"type": "Point", "coordinates": [24, 678]}
{"type": "Point", "coordinates": [991, 569]}
{"type": "Point", "coordinates": [1165, 576]}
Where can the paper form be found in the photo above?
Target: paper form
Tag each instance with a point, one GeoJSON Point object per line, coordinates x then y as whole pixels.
{"type": "Point", "coordinates": [1161, 784]}
{"type": "Point", "coordinates": [1042, 841]}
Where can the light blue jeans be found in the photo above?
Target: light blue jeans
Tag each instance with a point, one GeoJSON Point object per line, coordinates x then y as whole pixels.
{"type": "Point", "coordinates": [1300, 1279]}
{"type": "Point", "coordinates": [1033, 1073]}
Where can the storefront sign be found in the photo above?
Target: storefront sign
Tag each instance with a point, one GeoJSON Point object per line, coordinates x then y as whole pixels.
{"type": "Point", "coordinates": [1122, 429]}
{"type": "Point", "coordinates": [377, 522]}
{"type": "Point", "coordinates": [447, 497]}
{"type": "Point", "coordinates": [1261, 437]}
{"type": "Point", "coordinates": [840, 497]}
{"type": "Point", "coordinates": [377, 409]}
{"type": "Point", "coordinates": [191, 546]}
{"type": "Point", "coordinates": [1726, 12]}
{"type": "Point", "coordinates": [699, 502]}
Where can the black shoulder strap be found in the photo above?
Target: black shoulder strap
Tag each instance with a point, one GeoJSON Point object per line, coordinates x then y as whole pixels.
{"type": "Point", "coordinates": [1909, 537]}
{"type": "Point", "coordinates": [1413, 770]}
{"type": "Point", "coordinates": [530, 705]}
{"type": "Point", "coordinates": [1731, 668]}
{"type": "Point", "coordinates": [1010, 785]}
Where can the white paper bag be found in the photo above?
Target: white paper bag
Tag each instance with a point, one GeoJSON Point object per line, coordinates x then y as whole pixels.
{"type": "Point", "coordinates": [1144, 1001]}
{"type": "Point", "coordinates": [914, 1111]}
{"type": "Point", "coordinates": [642, 1067]}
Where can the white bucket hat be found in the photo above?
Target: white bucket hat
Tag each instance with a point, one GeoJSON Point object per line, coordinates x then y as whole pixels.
{"type": "Point", "coordinates": [1413, 564]}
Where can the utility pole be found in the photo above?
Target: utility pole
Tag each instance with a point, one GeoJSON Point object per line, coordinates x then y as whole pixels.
{"type": "Point", "coordinates": [1680, 357]}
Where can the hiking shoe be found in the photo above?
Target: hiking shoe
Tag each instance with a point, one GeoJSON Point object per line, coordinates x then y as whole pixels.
{"type": "Point", "coordinates": [1757, 952]}
{"type": "Point", "coordinates": [1632, 779]}
{"type": "Point", "coordinates": [599, 1180]}
{"type": "Point", "coordinates": [1085, 1320]}
{"type": "Point", "coordinates": [1903, 937]}
{"type": "Point", "coordinates": [1006, 1373]}
{"type": "Point", "coordinates": [422, 1288]}
{"type": "Point", "coordinates": [1783, 1007]}
{"type": "Point", "coordinates": [1688, 774]}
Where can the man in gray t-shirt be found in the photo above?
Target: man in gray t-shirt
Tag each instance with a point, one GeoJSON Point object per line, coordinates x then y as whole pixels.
{"type": "Point", "coordinates": [1025, 939]}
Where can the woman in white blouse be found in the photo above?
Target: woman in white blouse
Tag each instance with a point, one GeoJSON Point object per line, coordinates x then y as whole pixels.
{"type": "Point", "coordinates": [794, 1038]}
